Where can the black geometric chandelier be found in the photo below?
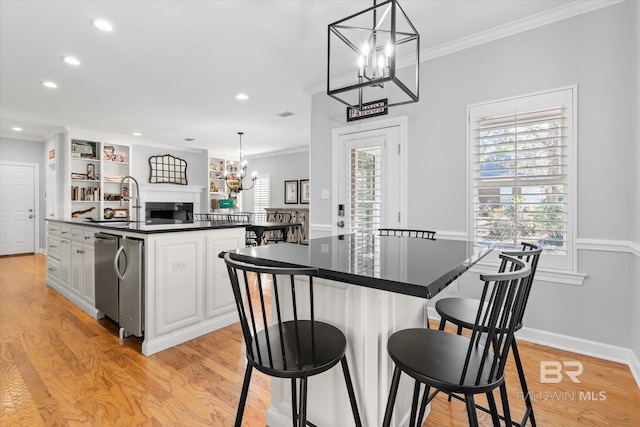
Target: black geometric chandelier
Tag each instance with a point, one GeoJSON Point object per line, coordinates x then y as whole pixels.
{"type": "Point", "coordinates": [234, 178]}
{"type": "Point", "coordinates": [365, 52]}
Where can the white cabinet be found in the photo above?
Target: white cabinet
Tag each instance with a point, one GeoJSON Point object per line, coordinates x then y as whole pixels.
{"type": "Point", "coordinates": [70, 264]}
{"type": "Point", "coordinates": [95, 171]}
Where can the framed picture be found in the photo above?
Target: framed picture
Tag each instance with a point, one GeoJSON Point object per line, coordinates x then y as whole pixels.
{"type": "Point", "coordinates": [304, 191]}
{"type": "Point", "coordinates": [91, 171]}
{"type": "Point", "coordinates": [291, 192]}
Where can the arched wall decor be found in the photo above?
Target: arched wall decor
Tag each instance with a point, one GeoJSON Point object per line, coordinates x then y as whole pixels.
{"type": "Point", "coordinates": [168, 169]}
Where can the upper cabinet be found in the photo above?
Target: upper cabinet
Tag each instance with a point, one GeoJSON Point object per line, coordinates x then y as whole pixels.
{"type": "Point", "coordinates": [96, 169]}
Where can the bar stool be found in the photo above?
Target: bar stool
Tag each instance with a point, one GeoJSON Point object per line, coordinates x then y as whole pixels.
{"type": "Point", "coordinates": [285, 345]}
{"type": "Point", "coordinates": [457, 364]}
{"type": "Point", "coordinates": [461, 312]}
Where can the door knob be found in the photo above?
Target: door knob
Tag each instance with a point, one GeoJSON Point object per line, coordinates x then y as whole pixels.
{"type": "Point", "coordinates": [30, 216]}
{"type": "Point", "coordinates": [341, 224]}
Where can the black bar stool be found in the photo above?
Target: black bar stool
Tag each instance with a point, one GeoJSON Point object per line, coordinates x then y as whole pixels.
{"type": "Point", "coordinates": [290, 343]}
{"type": "Point", "coordinates": [457, 364]}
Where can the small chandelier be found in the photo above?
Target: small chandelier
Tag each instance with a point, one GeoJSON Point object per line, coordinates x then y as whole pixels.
{"type": "Point", "coordinates": [371, 45]}
{"type": "Point", "coordinates": [234, 178]}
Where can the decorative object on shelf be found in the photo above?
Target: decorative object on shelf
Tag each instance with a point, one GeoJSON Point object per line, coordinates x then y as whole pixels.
{"type": "Point", "coordinates": [233, 178]}
{"type": "Point", "coordinates": [121, 213]}
{"type": "Point", "coordinates": [226, 204]}
{"type": "Point", "coordinates": [168, 169]}
{"type": "Point", "coordinates": [91, 171]}
{"type": "Point", "coordinates": [108, 213]}
{"type": "Point", "coordinates": [83, 149]}
{"type": "Point", "coordinates": [75, 175]}
{"type": "Point", "coordinates": [78, 214]}
{"type": "Point", "coordinates": [291, 192]}
{"type": "Point", "coordinates": [305, 191]}
{"type": "Point", "coordinates": [373, 43]}
{"type": "Point", "coordinates": [108, 152]}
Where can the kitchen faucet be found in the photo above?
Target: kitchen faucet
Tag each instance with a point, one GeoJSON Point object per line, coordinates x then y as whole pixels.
{"type": "Point", "coordinates": [136, 200]}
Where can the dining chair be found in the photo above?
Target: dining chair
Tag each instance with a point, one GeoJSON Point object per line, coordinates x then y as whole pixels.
{"type": "Point", "coordinates": [457, 364]}
{"type": "Point", "coordinates": [399, 232]}
{"type": "Point", "coordinates": [461, 312]}
{"type": "Point", "coordinates": [277, 236]}
{"type": "Point", "coordinates": [285, 340]}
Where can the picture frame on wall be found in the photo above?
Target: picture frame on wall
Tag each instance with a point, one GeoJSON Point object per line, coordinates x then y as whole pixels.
{"type": "Point", "coordinates": [291, 192]}
{"type": "Point", "coordinates": [304, 191]}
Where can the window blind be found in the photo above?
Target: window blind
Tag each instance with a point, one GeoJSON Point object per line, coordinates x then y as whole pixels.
{"type": "Point", "coordinates": [365, 208]}
{"type": "Point", "coordinates": [261, 193]}
{"type": "Point", "coordinates": [520, 178]}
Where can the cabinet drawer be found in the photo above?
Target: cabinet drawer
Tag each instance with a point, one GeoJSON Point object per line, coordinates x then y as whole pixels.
{"type": "Point", "coordinates": [65, 232]}
{"type": "Point", "coordinates": [53, 228]}
{"type": "Point", "coordinates": [77, 235]}
{"type": "Point", "coordinates": [53, 269]}
{"type": "Point", "coordinates": [88, 237]}
{"type": "Point", "coordinates": [53, 247]}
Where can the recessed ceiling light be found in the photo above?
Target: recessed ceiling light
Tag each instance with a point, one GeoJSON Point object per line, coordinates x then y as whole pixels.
{"type": "Point", "coordinates": [71, 60]}
{"type": "Point", "coordinates": [49, 84]}
{"type": "Point", "coordinates": [102, 24]}
{"type": "Point", "coordinates": [241, 97]}
{"type": "Point", "coordinates": [137, 134]}
{"type": "Point", "coordinates": [17, 128]}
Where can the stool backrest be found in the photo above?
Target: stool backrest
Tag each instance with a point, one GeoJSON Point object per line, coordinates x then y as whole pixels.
{"type": "Point", "coordinates": [404, 232]}
{"type": "Point", "coordinates": [500, 305]}
{"type": "Point", "coordinates": [291, 302]}
{"type": "Point", "coordinates": [530, 253]}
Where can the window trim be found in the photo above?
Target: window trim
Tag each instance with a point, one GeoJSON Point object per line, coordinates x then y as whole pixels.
{"type": "Point", "coordinates": [563, 264]}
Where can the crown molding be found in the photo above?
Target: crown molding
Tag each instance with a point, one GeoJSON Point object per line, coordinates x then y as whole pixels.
{"type": "Point", "coordinates": [541, 19]}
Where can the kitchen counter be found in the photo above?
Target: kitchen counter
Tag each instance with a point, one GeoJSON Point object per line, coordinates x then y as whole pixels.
{"type": "Point", "coordinates": [185, 286]}
{"type": "Point", "coordinates": [146, 228]}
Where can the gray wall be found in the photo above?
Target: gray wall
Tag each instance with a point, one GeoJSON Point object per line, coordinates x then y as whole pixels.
{"type": "Point", "coordinates": [283, 167]}
{"type": "Point", "coordinates": [196, 166]}
{"type": "Point", "coordinates": [635, 301]}
{"type": "Point", "coordinates": [596, 51]}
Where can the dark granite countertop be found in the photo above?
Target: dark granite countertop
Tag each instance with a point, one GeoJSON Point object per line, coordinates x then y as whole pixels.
{"type": "Point", "coordinates": [144, 228]}
{"type": "Point", "coordinates": [411, 266]}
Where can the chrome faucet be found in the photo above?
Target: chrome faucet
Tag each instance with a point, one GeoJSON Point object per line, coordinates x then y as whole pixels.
{"type": "Point", "coordinates": [136, 200]}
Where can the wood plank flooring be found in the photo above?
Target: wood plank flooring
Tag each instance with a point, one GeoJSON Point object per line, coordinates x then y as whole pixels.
{"type": "Point", "coordinates": [60, 367]}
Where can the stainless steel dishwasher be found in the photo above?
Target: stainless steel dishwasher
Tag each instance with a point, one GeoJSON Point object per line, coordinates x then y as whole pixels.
{"type": "Point", "coordinates": [119, 281]}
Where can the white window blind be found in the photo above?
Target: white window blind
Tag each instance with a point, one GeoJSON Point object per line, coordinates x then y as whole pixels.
{"type": "Point", "coordinates": [364, 190]}
{"type": "Point", "coordinates": [365, 208]}
{"type": "Point", "coordinates": [521, 174]}
{"type": "Point", "coordinates": [261, 193]}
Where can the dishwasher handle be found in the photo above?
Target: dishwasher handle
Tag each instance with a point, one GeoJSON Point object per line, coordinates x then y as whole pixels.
{"type": "Point", "coordinates": [121, 251]}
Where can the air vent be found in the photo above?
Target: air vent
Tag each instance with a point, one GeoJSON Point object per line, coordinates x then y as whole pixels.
{"type": "Point", "coordinates": [285, 114]}
{"type": "Point", "coordinates": [189, 139]}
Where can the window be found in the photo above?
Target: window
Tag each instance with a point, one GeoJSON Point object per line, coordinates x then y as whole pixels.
{"type": "Point", "coordinates": [261, 193]}
{"type": "Point", "coordinates": [522, 173]}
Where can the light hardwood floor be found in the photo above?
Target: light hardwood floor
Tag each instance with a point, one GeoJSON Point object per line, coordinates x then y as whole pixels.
{"type": "Point", "coordinates": [60, 367]}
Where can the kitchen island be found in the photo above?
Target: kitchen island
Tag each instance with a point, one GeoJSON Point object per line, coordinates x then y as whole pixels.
{"type": "Point", "coordinates": [185, 286]}
{"type": "Point", "coordinates": [368, 286]}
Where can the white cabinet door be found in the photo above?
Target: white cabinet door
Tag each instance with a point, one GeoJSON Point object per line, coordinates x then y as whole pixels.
{"type": "Point", "coordinates": [77, 256]}
{"type": "Point", "coordinates": [65, 263]}
{"type": "Point", "coordinates": [88, 275]}
{"type": "Point", "coordinates": [219, 293]}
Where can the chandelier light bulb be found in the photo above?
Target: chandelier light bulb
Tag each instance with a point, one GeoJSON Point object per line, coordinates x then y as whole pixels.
{"type": "Point", "coordinates": [365, 49]}
{"type": "Point", "coordinates": [388, 49]}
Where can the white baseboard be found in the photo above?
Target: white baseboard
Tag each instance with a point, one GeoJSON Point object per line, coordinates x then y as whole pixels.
{"type": "Point", "coordinates": [574, 345]}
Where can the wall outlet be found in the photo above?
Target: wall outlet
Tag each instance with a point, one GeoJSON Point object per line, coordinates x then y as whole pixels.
{"type": "Point", "coordinates": [453, 287]}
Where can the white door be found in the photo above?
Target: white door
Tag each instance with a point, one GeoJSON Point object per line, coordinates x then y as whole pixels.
{"type": "Point", "coordinates": [371, 181]}
{"type": "Point", "coordinates": [17, 208]}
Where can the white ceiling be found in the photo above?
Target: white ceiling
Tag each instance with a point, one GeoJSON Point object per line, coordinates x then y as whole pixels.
{"type": "Point", "coordinates": [171, 69]}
